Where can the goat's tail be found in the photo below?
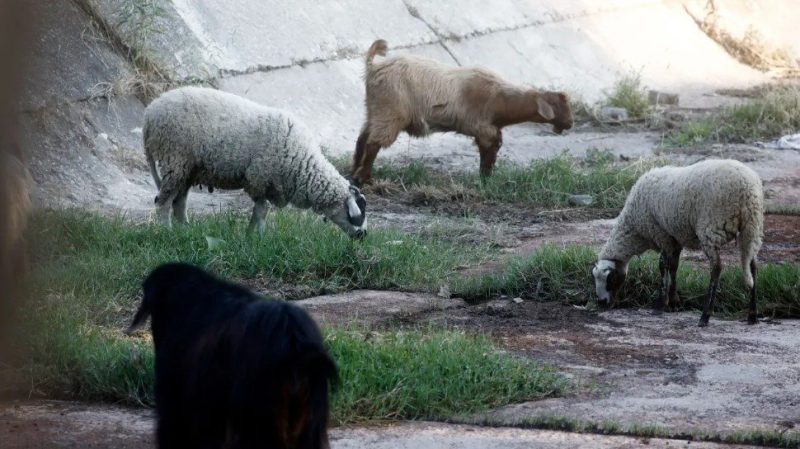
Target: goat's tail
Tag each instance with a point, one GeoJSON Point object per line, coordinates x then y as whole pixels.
{"type": "Point", "coordinates": [150, 159]}
{"type": "Point", "coordinates": [378, 47]}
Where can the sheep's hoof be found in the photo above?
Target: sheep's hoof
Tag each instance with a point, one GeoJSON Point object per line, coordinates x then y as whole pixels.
{"type": "Point", "coordinates": [703, 321]}
{"type": "Point", "coordinates": [752, 319]}
{"type": "Point", "coordinates": [657, 311]}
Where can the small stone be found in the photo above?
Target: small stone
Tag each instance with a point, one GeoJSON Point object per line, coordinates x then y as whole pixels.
{"type": "Point", "coordinates": [660, 98]}
{"type": "Point", "coordinates": [580, 200]}
{"type": "Point", "coordinates": [613, 114]}
{"type": "Point", "coordinates": [517, 300]}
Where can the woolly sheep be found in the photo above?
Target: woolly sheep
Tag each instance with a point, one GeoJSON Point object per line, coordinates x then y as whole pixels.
{"type": "Point", "coordinates": [201, 136]}
{"type": "Point", "coordinates": [421, 96]}
{"type": "Point", "coordinates": [702, 206]}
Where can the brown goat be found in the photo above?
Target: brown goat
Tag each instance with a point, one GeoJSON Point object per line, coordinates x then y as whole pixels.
{"type": "Point", "coordinates": [421, 96]}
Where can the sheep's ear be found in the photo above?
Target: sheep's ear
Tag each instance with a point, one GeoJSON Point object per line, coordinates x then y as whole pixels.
{"type": "Point", "coordinates": [544, 108]}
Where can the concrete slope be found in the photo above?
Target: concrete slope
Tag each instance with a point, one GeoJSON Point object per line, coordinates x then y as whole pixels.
{"type": "Point", "coordinates": [306, 56]}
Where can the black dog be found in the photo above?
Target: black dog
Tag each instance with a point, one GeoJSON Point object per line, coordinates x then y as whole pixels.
{"type": "Point", "coordinates": [233, 370]}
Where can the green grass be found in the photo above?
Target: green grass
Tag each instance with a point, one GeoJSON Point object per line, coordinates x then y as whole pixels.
{"type": "Point", "coordinates": [552, 273]}
{"type": "Point", "coordinates": [85, 286]}
{"type": "Point", "coordinates": [425, 373]}
{"type": "Point", "coordinates": [629, 93]}
{"type": "Point", "coordinates": [429, 374]}
{"type": "Point", "coordinates": [775, 113]}
{"type": "Point", "coordinates": [542, 182]}
{"type": "Point", "coordinates": [101, 261]}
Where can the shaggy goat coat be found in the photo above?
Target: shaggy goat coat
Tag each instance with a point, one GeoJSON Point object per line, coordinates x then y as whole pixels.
{"type": "Point", "coordinates": [420, 96]}
{"type": "Point", "coordinates": [233, 369]}
{"type": "Point", "coordinates": [207, 137]}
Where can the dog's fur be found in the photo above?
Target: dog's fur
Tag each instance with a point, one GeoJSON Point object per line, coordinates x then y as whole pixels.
{"type": "Point", "coordinates": [233, 369]}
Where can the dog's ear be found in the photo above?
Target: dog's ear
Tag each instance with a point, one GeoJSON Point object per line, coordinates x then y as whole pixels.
{"type": "Point", "coordinates": [141, 316]}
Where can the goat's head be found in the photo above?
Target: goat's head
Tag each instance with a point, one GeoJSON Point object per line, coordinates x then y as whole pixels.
{"type": "Point", "coordinates": [351, 214]}
{"type": "Point", "coordinates": [553, 108]}
{"type": "Point", "coordinates": [609, 275]}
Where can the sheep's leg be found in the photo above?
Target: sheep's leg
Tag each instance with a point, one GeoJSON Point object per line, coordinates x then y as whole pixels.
{"type": "Point", "coordinates": [179, 206]}
{"type": "Point", "coordinates": [170, 189]}
{"type": "Point", "coordinates": [488, 148]}
{"type": "Point", "coordinates": [713, 286]}
{"type": "Point", "coordinates": [673, 300]}
{"type": "Point", "coordinates": [752, 316]}
{"type": "Point", "coordinates": [664, 269]}
{"type": "Point", "coordinates": [257, 221]}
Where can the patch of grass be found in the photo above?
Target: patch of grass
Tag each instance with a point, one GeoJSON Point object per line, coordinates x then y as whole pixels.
{"type": "Point", "coordinates": [429, 374]}
{"type": "Point", "coordinates": [543, 182]}
{"type": "Point", "coordinates": [101, 261]}
{"type": "Point", "coordinates": [693, 133]}
{"type": "Point", "coordinates": [424, 373]}
{"type": "Point", "coordinates": [775, 113]}
{"type": "Point", "coordinates": [766, 438]}
{"type": "Point", "coordinates": [564, 274]}
{"type": "Point", "coordinates": [629, 93]}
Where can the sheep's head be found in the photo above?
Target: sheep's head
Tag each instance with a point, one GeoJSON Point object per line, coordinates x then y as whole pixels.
{"type": "Point", "coordinates": [351, 215]}
{"type": "Point", "coordinates": [553, 108]}
{"type": "Point", "coordinates": [609, 275]}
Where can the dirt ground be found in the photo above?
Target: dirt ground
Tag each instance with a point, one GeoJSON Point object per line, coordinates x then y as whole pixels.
{"type": "Point", "coordinates": [54, 424]}
{"type": "Point", "coordinates": [629, 366]}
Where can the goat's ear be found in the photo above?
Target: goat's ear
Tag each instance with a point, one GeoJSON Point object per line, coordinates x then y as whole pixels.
{"type": "Point", "coordinates": [544, 108]}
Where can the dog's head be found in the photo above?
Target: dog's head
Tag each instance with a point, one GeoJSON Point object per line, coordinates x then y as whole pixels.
{"type": "Point", "coordinates": [157, 288]}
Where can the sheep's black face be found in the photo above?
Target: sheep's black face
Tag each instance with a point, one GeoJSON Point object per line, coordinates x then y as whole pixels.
{"type": "Point", "coordinates": [351, 216]}
{"type": "Point", "coordinates": [608, 279]}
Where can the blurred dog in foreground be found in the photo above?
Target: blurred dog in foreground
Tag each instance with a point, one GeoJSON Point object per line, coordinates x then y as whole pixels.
{"type": "Point", "coordinates": [233, 369]}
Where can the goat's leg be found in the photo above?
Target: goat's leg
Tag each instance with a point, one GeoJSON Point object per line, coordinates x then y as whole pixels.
{"type": "Point", "coordinates": [713, 286]}
{"type": "Point", "coordinates": [358, 155]}
{"type": "Point", "coordinates": [752, 316]}
{"type": "Point", "coordinates": [488, 148]}
{"type": "Point", "coordinates": [364, 172]}
{"type": "Point", "coordinates": [664, 269]}
{"type": "Point", "coordinates": [257, 220]}
{"type": "Point", "coordinates": [179, 206]}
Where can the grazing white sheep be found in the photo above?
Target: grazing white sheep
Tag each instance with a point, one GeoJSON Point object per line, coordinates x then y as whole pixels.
{"type": "Point", "coordinates": [421, 96]}
{"type": "Point", "coordinates": [204, 136]}
{"type": "Point", "coordinates": [702, 206]}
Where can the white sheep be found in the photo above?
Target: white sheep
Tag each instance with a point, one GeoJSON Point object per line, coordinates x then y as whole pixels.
{"type": "Point", "coordinates": [421, 96]}
{"type": "Point", "coordinates": [702, 206]}
{"type": "Point", "coordinates": [204, 136]}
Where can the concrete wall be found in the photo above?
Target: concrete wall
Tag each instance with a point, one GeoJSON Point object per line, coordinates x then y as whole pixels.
{"type": "Point", "coordinates": [306, 56]}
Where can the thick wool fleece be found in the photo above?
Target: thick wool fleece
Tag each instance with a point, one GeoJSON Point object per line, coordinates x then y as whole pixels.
{"type": "Point", "coordinates": [702, 206]}
{"type": "Point", "coordinates": [204, 136]}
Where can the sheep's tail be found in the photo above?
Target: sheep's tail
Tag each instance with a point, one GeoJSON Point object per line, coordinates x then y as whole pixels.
{"type": "Point", "coordinates": [378, 47]}
{"type": "Point", "coordinates": [150, 159]}
{"type": "Point", "coordinates": [750, 238]}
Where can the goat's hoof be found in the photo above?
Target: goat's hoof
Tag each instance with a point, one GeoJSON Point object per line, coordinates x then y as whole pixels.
{"type": "Point", "coordinates": [752, 319]}
{"type": "Point", "coordinates": [703, 322]}
{"type": "Point", "coordinates": [657, 311]}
